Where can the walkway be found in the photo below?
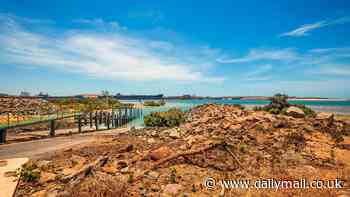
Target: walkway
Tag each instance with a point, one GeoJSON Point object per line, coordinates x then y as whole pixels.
{"type": "Point", "coordinates": [32, 149]}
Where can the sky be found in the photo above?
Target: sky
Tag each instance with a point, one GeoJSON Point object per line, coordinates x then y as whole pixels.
{"type": "Point", "coordinates": [206, 48]}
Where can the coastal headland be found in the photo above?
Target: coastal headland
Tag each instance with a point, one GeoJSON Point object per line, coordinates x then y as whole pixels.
{"type": "Point", "coordinates": [178, 152]}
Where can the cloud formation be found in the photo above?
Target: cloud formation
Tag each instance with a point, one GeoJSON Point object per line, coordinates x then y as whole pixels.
{"type": "Point", "coordinates": [305, 29]}
{"type": "Point", "coordinates": [263, 54]}
{"type": "Point", "coordinates": [113, 55]}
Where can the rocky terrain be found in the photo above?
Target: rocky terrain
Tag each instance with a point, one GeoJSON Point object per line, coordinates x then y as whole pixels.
{"type": "Point", "coordinates": [218, 141]}
{"type": "Point", "coordinates": [25, 105]}
{"type": "Point", "coordinates": [15, 109]}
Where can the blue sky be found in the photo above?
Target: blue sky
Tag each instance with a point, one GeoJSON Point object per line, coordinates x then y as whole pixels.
{"type": "Point", "coordinates": [214, 48]}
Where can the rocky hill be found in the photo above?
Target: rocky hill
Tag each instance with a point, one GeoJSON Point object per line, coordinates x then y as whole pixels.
{"type": "Point", "coordinates": [218, 142]}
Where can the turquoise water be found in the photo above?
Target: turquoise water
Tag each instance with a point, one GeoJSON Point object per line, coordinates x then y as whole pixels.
{"type": "Point", "coordinates": [339, 107]}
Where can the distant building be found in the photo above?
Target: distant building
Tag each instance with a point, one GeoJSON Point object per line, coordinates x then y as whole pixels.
{"type": "Point", "coordinates": [43, 95]}
{"type": "Point", "coordinates": [85, 96]}
{"type": "Point", "coordinates": [24, 94]}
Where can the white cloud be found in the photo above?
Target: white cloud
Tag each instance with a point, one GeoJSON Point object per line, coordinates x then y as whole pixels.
{"type": "Point", "coordinates": [304, 29]}
{"type": "Point", "coordinates": [100, 23]}
{"type": "Point", "coordinates": [271, 64]}
{"type": "Point", "coordinates": [260, 73]}
{"type": "Point", "coordinates": [260, 70]}
{"type": "Point", "coordinates": [113, 55]}
{"type": "Point", "coordinates": [340, 51]}
{"type": "Point", "coordinates": [161, 45]}
{"type": "Point", "coordinates": [263, 54]}
{"type": "Point", "coordinates": [337, 70]}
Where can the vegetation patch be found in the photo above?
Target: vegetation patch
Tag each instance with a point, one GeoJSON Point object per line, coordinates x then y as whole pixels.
{"type": "Point", "coordinates": [29, 172]}
{"type": "Point", "coordinates": [239, 106]}
{"type": "Point", "coordinates": [87, 105]}
{"type": "Point", "coordinates": [171, 118]}
{"type": "Point", "coordinates": [280, 105]}
{"type": "Point", "coordinates": [154, 103]}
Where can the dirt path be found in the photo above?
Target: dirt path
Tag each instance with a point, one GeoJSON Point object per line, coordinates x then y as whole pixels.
{"type": "Point", "coordinates": [32, 149]}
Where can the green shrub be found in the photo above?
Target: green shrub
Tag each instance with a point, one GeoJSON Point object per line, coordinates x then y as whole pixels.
{"type": "Point", "coordinates": [306, 110]}
{"type": "Point", "coordinates": [279, 101]}
{"type": "Point", "coordinates": [29, 173]}
{"type": "Point", "coordinates": [284, 111]}
{"type": "Point", "coordinates": [172, 177]}
{"type": "Point", "coordinates": [154, 103]}
{"type": "Point", "coordinates": [279, 105]}
{"type": "Point", "coordinates": [274, 110]}
{"type": "Point", "coordinates": [239, 106]}
{"type": "Point", "coordinates": [259, 108]}
{"type": "Point", "coordinates": [171, 118]}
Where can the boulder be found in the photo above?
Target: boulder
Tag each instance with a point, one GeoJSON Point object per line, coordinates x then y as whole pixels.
{"type": "Point", "coordinates": [280, 124]}
{"type": "Point", "coordinates": [160, 153]}
{"type": "Point", "coordinates": [226, 125]}
{"type": "Point", "coordinates": [295, 112]}
{"type": "Point", "coordinates": [78, 160]}
{"type": "Point", "coordinates": [109, 169]}
{"type": "Point", "coordinates": [323, 115]}
{"type": "Point", "coordinates": [124, 170]}
{"type": "Point", "coordinates": [192, 139]}
{"type": "Point", "coordinates": [151, 141]}
{"type": "Point", "coordinates": [46, 177]}
{"type": "Point", "coordinates": [328, 118]}
{"type": "Point", "coordinates": [236, 127]}
{"type": "Point", "coordinates": [172, 190]}
{"type": "Point", "coordinates": [153, 175]}
{"type": "Point", "coordinates": [42, 193]}
{"type": "Point", "coordinates": [43, 164]}
{"type": "Point", "coordinates": [174, 133]}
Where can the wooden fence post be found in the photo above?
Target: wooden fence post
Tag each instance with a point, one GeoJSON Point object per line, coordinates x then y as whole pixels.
{"type": "Point", "coordinates": [52, 128]}
{"type": "Point", "coordinates": [96, 120]}
{"type": "Point", "coordinates": [126, 115]}
{"type": "Point", "coordinates": [108, 120]}
{"type": "Point", "coordinates": [79, 123]}
{"type": "Point", "coordinates": [85, 120]}
{"type": "Point", "coordinates": [116, 120]}
{"type": "Point", "coordinates": [100, 118]}
{"type": "Point", "coordinates": [3, 133]}
{"type": "Point", "coordinates": [112, 118]}
{"type": "Point", "coordinates": [90, 116]}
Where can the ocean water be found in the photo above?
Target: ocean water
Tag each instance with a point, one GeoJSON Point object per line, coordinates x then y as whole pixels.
{"type": "Point", "coordinates": [338, 107]}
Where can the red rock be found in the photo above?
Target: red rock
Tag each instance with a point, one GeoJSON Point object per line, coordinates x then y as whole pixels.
{"type": "Point", "coordinates": [160, 153]}
{"type": "Point", "coordinates": [327, 118]}
{"type": "Point", "coordinates": [295, 112]}
{"type": "Point", "coordinates": [226, 125]}
{"type": "Point", "coordinates": [172, 189]}
{"type": "Point", "coordinates": [109, 169]}
{"type": "Point", "coordinates": [46, 177]}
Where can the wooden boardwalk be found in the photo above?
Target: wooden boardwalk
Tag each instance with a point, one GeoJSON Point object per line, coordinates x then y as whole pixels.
{"type": "Point", "coordinates": [113, 118]}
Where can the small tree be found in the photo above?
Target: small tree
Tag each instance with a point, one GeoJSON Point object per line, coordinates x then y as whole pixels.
{"type": "Point", "coordinates": [279, 105]}
{"type": "Point", "coordinates": [279, 101]}
{"type": "Point", "coordinates": [105, 94]}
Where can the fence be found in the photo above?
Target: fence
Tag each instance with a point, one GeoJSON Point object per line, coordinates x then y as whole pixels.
{"type": "Point", "coordinates": [108, 119]}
